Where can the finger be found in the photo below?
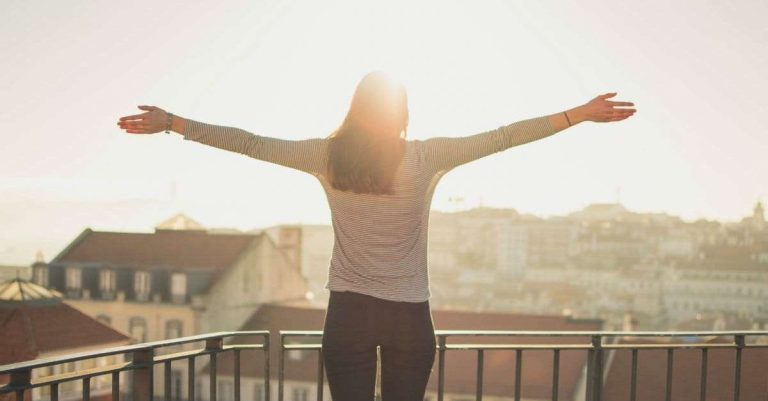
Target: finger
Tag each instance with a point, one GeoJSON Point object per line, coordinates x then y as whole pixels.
{"type": "Point", "coordinates": [619, 103]}
{"type": "Point", "coordinates": [607, 95]}
{"type": "Point", "coordinates": [133, 124]}
{"type": "Point", "coordinates": [621, 111]}
{"type": "Point", "coordinates": [135, 116]}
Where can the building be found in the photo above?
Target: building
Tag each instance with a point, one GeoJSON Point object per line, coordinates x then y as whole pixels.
{"type": "Point", "coordinates": [35, 323]}
{"type": "Point", "coordinates": [179, 280]}
{"type": "Point", "coordinates": [309, 247]}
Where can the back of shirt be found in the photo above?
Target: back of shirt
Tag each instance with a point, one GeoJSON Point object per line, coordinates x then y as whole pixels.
{"type": "Point", "coordinates": [380, 244]}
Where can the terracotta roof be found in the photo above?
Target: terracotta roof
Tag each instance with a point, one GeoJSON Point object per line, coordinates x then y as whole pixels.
{"type": "Point", "coordinates": [30, 328]}
{"type": "Point", "coordinates": [686, 374]}
{"type": "Point", "coordinates": [460, 365]}
{"type": "Point", "coordinates": [167, 248]}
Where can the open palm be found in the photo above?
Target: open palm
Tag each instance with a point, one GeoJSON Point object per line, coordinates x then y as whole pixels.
{"type": "Point", "coordinates": [151, 122]}
{"type": "Point", "coordinates": [601, 110]}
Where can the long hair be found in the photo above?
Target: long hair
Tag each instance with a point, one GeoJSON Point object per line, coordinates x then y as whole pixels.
{"type": "Point", "coordinates": [365, 151]}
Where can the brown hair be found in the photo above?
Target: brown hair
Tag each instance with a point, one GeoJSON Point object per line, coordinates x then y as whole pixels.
{"type": "Point", "coordinates": [365, 151]}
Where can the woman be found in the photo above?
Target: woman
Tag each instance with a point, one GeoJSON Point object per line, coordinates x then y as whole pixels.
{"type": "Point", "coordinates": [379, 187]}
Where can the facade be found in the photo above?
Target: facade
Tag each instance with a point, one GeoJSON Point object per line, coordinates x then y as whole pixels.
{"type": "Point", "coordinates": [172, 282]}
{"type": "Point", "coordinates": [309, 247]}
{"type": "Point", "coordinates": [599, 262]}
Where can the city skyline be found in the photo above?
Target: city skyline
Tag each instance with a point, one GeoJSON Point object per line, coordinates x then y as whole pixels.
{"type": "Point", "coordinates": [694, 149]}
{"type": "Point", "coordinates": [21, 246]}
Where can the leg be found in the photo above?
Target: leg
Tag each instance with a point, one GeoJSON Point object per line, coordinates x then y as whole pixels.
{"type": "Point", "coordinates": [408, 355]}
{"type": "Point", "coordinates": [349, 351]}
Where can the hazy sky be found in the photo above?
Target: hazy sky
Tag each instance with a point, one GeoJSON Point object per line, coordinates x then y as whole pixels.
{"type": "Point", "coordinates": [696, 71]}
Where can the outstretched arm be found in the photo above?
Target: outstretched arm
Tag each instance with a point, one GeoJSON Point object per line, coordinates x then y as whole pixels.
{"type": "Point", "coordinates": [307, 155]}
{"type": "Point", "coordinates": [444, 153]}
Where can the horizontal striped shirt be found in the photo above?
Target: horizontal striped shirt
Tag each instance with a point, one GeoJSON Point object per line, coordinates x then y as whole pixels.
{"type": "Point", "coordinates": [380, 241]}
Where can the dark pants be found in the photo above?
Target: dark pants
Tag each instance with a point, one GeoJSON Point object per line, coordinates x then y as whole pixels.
{"type": "Point", "coordinates": [354, 325]}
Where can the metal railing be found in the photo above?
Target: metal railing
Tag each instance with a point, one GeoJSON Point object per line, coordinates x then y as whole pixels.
{"type": "Point", "coordinates": [595, 348]}
{"type": "Point", "coordinates": [143, 359]}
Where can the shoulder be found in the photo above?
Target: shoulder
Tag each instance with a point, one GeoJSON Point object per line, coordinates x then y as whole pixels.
{"type": "Point", "coordinates": [415, 144]}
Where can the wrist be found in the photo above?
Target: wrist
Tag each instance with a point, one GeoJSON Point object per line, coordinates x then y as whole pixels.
{"type": "Point", "coordinates": [178, 124]}
{"type": "Point", "coordinates": [576, 115]}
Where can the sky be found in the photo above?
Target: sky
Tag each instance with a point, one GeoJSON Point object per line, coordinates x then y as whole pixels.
{"type": "Point", "coordinates": [694, 69]}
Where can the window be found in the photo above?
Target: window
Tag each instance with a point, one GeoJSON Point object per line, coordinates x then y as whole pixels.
{"type": "Point", "coordinates": [179, 287]}
{"type": "Point", "coordinates": [258, 392]}
{"type": "Point", "coordinates": [225, 390]}
{"type": "Point", "coordinates": [300, 394]}
{"type": "Point", "coordinates": [107, 283]}
{"type": "Point", "coordinates": [173, 329]}
{"type": "Point", "coordinates": [73, 278]}
{"type": "Point", "coordinates": [40, 276]}
{"type": "Point", "coordinates": [141, 282]}
{"type": "Point", "coordinates": [137, 327]}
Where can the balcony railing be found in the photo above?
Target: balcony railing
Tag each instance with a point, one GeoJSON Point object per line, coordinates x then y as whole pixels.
{"type": "Point", "coordinates": [141, 359]}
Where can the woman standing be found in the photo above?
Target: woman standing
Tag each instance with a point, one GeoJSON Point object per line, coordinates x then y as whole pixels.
{"type": "Point", "coordinates": [379, 187]}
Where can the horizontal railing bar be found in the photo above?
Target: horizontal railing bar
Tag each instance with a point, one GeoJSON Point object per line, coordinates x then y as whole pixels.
{"type": "Point", "coordinates": [89, 373]}
{"type": "Point", "coordinates": [537, 333]}
{"type": "Point", "coordinates": [302, 346]}
{"type": "Point", "coordinates": [245, 346]}
{"type": "Point", "coordinates": [672, 345]}
{"type": "Point", "coordinates": [182, 355]}
{"type": "Point", "coordinates": [475, 347]}
{"type": "Point", "coordinates": [69, 376]}
{"type": "Point", "coordinates": [550, 347]}
{"type": "Point", "coordinates": [38, 363]}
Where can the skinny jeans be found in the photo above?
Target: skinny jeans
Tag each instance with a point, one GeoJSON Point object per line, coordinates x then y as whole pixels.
{"type": "Point", "coordinates": [355, 324]}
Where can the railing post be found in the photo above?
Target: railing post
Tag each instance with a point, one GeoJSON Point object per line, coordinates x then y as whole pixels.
{"type": "Point", "coordinates": [590, 373]}
{"type": "Point", "coordinates": [479, 379]}
{"type": "Point", "coordinates": [441, 368]}
{"type": "Point", "coordinates": [143, 368]}
{"type": "Point", "coordinates": [740, 343]}
{"type": "Point", "coordinates": [267, 374]}
{"type": "Point", "coordinates": [597, 368]}
{"type": "Point", "coordinates": [281, 368]}
{"type": "Point", "coordinates": [191, 396]}
{"type": "Point", "coordinates": [21, 379]}
{"type": "Point", "coordinates": [216, 345]}
{"type": "Point", "coordinates": [320, 375]}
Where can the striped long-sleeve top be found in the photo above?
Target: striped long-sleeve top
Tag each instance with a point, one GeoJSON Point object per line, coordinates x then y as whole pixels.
{"type": "Point", "coordinates": [380, 244]}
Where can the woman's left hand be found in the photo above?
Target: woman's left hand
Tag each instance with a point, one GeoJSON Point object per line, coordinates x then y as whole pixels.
{"type": "Point", "coordinates": [601, 110]}
{"type": "Point", "coordinates": [153, 121]}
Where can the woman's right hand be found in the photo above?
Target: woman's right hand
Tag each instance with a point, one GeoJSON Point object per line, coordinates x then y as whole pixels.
{"type": "Point", "coordinates": [601, 110]}
{"type": "Point", "coordinates": [153, 121]}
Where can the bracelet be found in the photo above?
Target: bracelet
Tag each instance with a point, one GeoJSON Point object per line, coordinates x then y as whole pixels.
{"type": "Point", "coordinates": [168, 126]}
{"type": "Point", "coordinates": [566, 117]}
